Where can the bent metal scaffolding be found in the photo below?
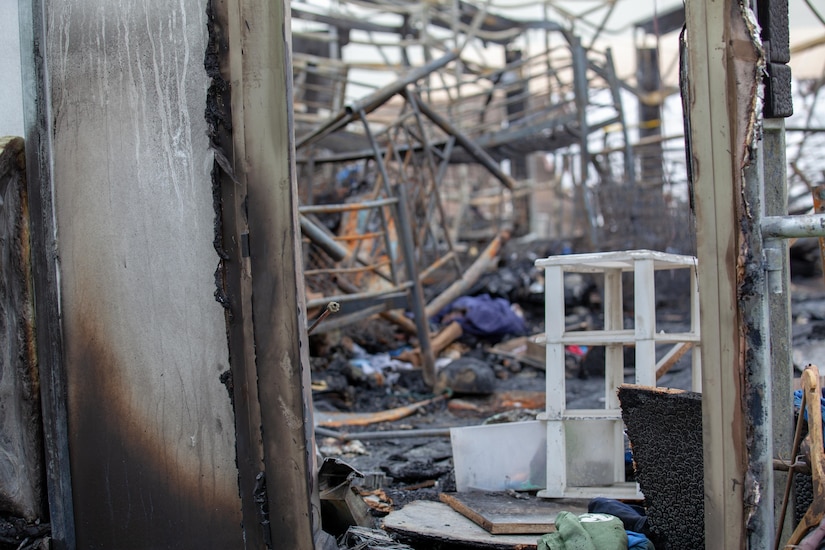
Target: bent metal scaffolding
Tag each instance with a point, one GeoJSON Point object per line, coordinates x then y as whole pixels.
{"type": "Point", "coordinates": [441, 155]}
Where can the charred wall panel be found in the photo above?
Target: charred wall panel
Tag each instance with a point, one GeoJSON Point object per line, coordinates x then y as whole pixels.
{"type": "Point", "coordinates": [151, 433]}
{"type": "Point", "coordinates": [21, 471]}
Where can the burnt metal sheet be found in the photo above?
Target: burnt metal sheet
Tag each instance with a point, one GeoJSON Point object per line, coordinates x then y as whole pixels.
{"type": "Point", "coordinates": [150, 427]}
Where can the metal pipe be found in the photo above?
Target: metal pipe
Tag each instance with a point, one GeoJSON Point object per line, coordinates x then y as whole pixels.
{"type": "Point", "coordinates": [368, 104]}
{"type": "Point", "coordinates": [754, 305]}
{"type": "Point", "coordinates": [347, 207]}
{"type": "Point", "coordinates": [791, 227]}
{"type": "Point", "coordinates": [345, 298]}
{"type": "Point", "coordinates": [373, 101]}
{"type": "Point", "coordinates": [776, 203]}
{"type": "Point", "coordinates": [469, 145]}
{"type": "Point", "coordinates": [324, 241]}
{"type": "Point", "coordinates": [332, 307]}
{"type": "Point", "coordinates": [580, 87]}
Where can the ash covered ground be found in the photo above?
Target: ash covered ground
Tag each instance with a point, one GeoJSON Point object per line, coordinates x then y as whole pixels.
{"type": "Point", "coordinates": [398, 467]}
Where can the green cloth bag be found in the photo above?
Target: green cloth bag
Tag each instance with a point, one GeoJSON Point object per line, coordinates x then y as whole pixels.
{"type": "Point", "coordinates": [585, 532]}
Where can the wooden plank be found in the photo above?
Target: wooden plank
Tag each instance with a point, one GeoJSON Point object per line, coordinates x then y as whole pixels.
{"type": "Point", "coordinates": [714, 169]}
{"type": "Point", "coordinates": [671, 357]}
{"type": "Point", "coordinates": [263, 130]}
{"type": "Point", "coordinates": [501, 513]}
{"type": "Point", "coordinates": [21, 471]}
{"type": "Point", "coordinates": [49, 335]}
{"type": "Point", "coordinates": [437, 523]}
{"type": "Point", "coordinates": [224, 65]}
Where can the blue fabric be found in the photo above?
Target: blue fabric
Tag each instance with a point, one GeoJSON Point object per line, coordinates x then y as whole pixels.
{"type": "Point", "coordinates": [633, 517]}
{"type": "Point", "coordinates": [484, 315]}
{"type": "Point", "coordinates": [637, 541]}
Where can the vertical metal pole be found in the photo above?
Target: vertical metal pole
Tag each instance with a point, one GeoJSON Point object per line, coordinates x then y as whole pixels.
{"type": "Point", "coordinates": [650, 123]}
{"type": "Point", "coordinates": [615, 91]}
{"type": "Point", "coordinates": [753, 298]}
{"type": "Point", "coordinates": [776, 204]}
{"type": "Point", "coordinates": [580, 88]}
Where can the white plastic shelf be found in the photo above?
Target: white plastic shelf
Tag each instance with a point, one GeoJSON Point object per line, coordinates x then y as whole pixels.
{"type": "Point", "coordinates": [585, 448]}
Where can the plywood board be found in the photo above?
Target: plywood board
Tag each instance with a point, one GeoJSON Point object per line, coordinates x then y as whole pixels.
{"type": "Point", "coordinates": [436, 522]}
{"type": "Point", "coordinates": [501, 513]}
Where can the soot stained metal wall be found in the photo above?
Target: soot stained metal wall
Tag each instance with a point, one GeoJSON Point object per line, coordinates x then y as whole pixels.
{"type": "Point", "coordinates": [151, 432]}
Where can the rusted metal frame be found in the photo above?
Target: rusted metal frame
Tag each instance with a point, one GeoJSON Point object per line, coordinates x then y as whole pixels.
{"type": "Point", "coordinates": [344, 23]}
{"type": "Point", "coordinates": [564, 123]}
{"type": "Point", "coordinates": [318, 236]}
{"type": "Point", "coordinates": [613, 83]}
{"type": "Point", "coordinates": [50, 353]}
{"type": "Point", "coordinates": [470, 146]}
{"type": "Point", "coordinates": [436, 177]}
{"type": "Point", "coordinates": [263, 135]}
{"type": "Point", "coordinates": [442, 170]}
{"type": "Point", "coordinates": [398, 291]}
{"type": "Point", "coordinates": [426, 194]}
{"type": "Point", "coordinates": [342, 320]}
{"type": "Point", "coordinates": [336, 252]}
{"type": "Point", "coordinates": [355, 256]}
{"type": "Point", "coordinates": [382, 210]}
{"type": "Point", "coordinates": [582, 100]}
{"type": "Point", "coordinates": [359, 155]}
{"type": "Point", "coordinates": [520, 85]}
{"type": "Point", "coordinates": [372, 101]}
{"type": "Point", "coordinates": [345, 207]}
{"type": "Point", "coordinates": [552, 72]}
{"type": "Point", "coordinates": [399, 121]}
{"type": "Point", "coordinates": [597, 33]}
{"type": "Point", "coordinates": [339, 121]}
{"type": "Point", "coordinates": [403, 227]}
{"type": "Point", "coordinates": [380, 48]}
{"type": "Point", "coordinates": [361, 236]}
{"type": "Point", "coordinates": [414, 191]}
{"type": "Point", "coordinates": [392, 316]}
{"type": "Point", "coordinates": [333, 270]}
{"type": "Point", "coordinates": [419, 191]}
{"type": "Point", "coordinates": [381, 96]}
{"type": "Point", "coordinates": [310, 180]}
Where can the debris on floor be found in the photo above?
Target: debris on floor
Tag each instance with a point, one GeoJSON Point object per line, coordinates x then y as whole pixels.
{"type": "Point", "coordinates": [422, 456]}
{"type": "Point", "coordinates": [511, 512]}
{"type": "Point", "coordinates": [341, 507]}
{"type": "Point", "coordinates": [436, 524]}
